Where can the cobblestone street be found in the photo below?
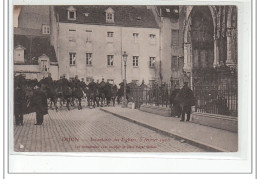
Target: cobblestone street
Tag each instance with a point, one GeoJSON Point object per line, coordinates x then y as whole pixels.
{"type": "Point", "coordinates": [91, 130]}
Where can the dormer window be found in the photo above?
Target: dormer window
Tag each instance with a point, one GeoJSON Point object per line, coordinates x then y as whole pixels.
{"type": "Point", "coordinates": [44, 63]}
{"type": "Point", "coordinates": [45, 29]}
{"type": "Point", "coordinates": [109, 15]}
{"type": "Point", "coordinates": [71, 13]}
{"type": "Point", "coordinates": [19, 54]}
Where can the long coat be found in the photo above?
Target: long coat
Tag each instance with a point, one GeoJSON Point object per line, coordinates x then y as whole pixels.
{"type": "Point", "coordinates": [38, 102]}
{"type": "Point", "coordinates": [185, 97]}
{"type": "Point", "coordinates": [19, 101]}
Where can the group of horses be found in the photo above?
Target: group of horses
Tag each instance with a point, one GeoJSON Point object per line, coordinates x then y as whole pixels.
{"type": "Point", "coordinates": [70, 93]}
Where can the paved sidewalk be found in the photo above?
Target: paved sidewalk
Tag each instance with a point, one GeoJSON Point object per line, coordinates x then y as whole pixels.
{"type": "Point", "coordinates": [206, 137]}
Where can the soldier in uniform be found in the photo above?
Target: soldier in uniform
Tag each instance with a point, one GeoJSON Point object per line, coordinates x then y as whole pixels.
{"type": "Point", "coordinates": [76, 82]}
{"type": "Point", "coordinates": [38, 103]}
{"type": "Point", "coordinates": [83, 84]}
{"type": "Point", "coordinates": [101, 90]}
{"type": "Point", "coordinates": [92, 86]}
{"type": "Point", "coordinates": [114, 93]}
{"type": "Point", "coordinates": [186, 99]}
{"type": "Point", "coordinates": [19, 104]}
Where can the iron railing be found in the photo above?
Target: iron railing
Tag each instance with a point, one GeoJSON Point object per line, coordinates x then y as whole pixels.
{"type": "Point", "coordinates": [214, 98]}
{"type": "Point", "coordinates": [153, 95]}
{"type": "Point", "coordinates": [217, 99]}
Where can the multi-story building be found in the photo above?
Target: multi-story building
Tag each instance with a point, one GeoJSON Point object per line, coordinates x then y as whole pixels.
{"type": "Point", "coordinates": [92, 39]}
{"type": "Point", "coordinates": [171, 44]}
{"type": "Point", "coordinates": [34, 56]}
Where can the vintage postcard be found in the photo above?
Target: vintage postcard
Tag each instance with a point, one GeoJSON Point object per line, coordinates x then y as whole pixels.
{"type": "Point", "coordinates": [125, 78]}
{"type": "Point", "coordinates": [100, 78]}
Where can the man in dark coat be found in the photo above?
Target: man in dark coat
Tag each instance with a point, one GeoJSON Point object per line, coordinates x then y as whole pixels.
{"type": "Point", "coordinates": [38, 103]}
{"type": "Point", "coordinates": [175, 106]}
{"type": "Point", "coordinates": [186, 99]}
{"type": "Point", "coordinates": [19, 104]}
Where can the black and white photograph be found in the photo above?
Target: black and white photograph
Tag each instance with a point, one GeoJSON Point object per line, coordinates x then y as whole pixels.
{"type": "Point", "coordinates": [125, 78]}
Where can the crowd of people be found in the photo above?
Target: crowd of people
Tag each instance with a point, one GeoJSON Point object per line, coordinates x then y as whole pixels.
{"type": "Point", "coordinates": [34, 96]}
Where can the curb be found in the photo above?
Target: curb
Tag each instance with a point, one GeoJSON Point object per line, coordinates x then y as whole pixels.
{"type": "Point", "coordinates": [194, 142]}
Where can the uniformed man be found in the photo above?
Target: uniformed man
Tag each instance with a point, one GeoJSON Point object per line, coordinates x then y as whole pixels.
{"type": "Point", "coordinates": [77, 83]}
{"type": "Point", "coordinates": [102, 83]}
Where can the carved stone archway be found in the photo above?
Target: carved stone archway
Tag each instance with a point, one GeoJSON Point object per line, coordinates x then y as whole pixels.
{"type": "Point", "coordinates": [188, 46]}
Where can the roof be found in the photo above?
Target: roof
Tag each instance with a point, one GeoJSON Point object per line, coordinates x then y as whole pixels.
{"type": "Point", "coordinates": [25, 31]}
{"type": "Point", "coordinates": [35, 46]}
{"type": "Point", "coordinates": [128, 16]}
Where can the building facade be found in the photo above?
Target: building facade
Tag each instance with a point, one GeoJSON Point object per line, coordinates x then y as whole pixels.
{"type": "Point", "coordinates": [34, 56]}
{"type": "Point", "coordinates": [171, 44]}
{"type": "Point", "coordinates": [92, 40]}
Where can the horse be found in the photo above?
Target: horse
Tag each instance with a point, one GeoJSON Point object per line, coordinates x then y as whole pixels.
{"type": "Point", "coordinates": [77, 93]}
{"type": "Point", "coordinates": [114, 94]}
{"type": "Point", "coordinates": [108, 93]}
{"type": "Point", "coordinates": [101, 93]}
{"type": "Point", "coordinates": [92, 94]}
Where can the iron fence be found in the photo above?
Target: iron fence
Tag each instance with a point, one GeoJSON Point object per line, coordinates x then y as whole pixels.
{"type": "Point", "coordinates": [214, 98]}
{"type": "Point", "coordinates": [152, 95]}
{"type": "Point", "coordinates": [217, 99]}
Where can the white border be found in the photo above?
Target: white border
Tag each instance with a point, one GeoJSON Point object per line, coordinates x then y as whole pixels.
{"type": "Point", "coordinates": [150, 162]}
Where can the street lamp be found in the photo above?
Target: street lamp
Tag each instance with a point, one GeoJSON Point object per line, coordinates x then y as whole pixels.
{"type": "Point", "coordinates": [124, 101]}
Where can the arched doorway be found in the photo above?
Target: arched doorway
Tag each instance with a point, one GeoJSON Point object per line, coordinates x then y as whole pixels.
{"type": "Point", "coordinates": [208, 54]}
{"type": "Point", "coordinates": [202, 44]}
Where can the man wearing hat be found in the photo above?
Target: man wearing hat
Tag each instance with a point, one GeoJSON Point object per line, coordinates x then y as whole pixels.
{"type": "Point", "coordinates": [186, 99]}
{"type": "Point", "coordinates": [38, 103]}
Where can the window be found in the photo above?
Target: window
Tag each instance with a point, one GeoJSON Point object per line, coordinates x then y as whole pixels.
{"type": "Point", "coordinates": [72, 35]}
{"type": "Point", "coordinates": [135, 35]}
{"type": "Point", "coordinates": [135, 61]}
{"type": "Point", "coordinates": [152, 61]}
{"type": "Point", "coordinates": [89, 58]}
{"type": "Point", "coordinates": [45, 29]}
{"type": "Point", "coordinates": [110, 15]}
{"type": "Point", "coordinates": [152, 38]}
{"type": "Point", "coordinates": [44, 65]}
{"type": "Point", "coordinates": [72, 14]}
{"type": "Point", "coordinates": [174, 64]}
{"type": "Point", "coordinates": [110, 34]}
{"type": "Point", "coordinates": [72, 58]}
{"type": "Point", "coordinates": [177, 63]}
{"type": "Point", "coordinates": [88, 35]}
{"type": "Point", "coordinates": [175, 38]}
{"type": "Point", "coordinates": [110, 59]}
